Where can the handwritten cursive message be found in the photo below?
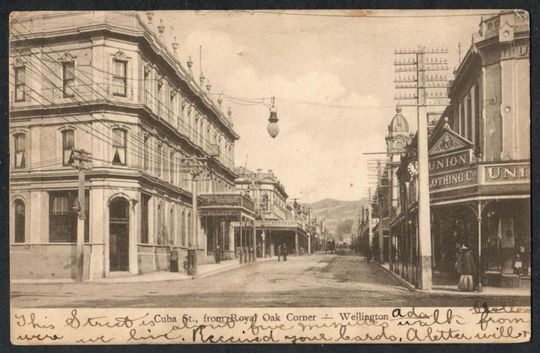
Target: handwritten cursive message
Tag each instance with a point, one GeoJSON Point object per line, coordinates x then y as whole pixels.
{"type": "Point", "coordinates": [479, 324]}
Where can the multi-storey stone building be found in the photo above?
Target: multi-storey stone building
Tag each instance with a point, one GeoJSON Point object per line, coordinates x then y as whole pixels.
{"type": "Point", "coordinates": [276, 222]}
{"type": "Point", "coordinates": [106, 82]}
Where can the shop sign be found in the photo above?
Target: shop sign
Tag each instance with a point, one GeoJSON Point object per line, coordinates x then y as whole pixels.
{"type": "Point", "coordinates": [449, 162]}
{"type": "Point", "coordinates": [507, 172]}
{"type": "Point", "coordinates": [453, 179]}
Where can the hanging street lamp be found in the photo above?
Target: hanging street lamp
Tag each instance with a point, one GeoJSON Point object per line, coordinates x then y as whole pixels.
{"type": "Point", "coordinates": [273, 128]}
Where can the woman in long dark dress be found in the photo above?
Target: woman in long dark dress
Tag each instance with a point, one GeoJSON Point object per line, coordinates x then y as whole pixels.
{"type": "Point", "coordinates": [466, 267]}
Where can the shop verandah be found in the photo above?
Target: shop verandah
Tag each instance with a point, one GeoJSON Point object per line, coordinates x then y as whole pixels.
{"type": "Point", "coordinates": [274, 233]}
{"type": "Point", "coordinates": [229, 223]}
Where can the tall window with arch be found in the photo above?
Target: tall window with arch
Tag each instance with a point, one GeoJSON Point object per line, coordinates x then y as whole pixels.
{"type": "Point", "coordinates": [182, 225]}
{"type": "Point", "coordinates": [146, 153]}
{"type": "Point", "coordinates": [172, 170]}
{"type": "Point", "coordinates": [20, 218]}
{"type": "Point", "coordinates": [172, 235]}
{"type": "Point", "coordinates": [68, 144]}
{"type": "Point", "coordinates": [119, 146]}
{"type": "Point", "coordinates": [20, 150]}
{"type": "Point", "coordinates": [159, 155]}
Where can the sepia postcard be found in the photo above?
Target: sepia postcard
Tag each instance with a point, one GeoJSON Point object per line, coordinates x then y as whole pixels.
{"type": "Point", "coordinates": [269, 176]}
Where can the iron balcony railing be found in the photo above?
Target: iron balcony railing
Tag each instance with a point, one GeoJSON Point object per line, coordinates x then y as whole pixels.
{"type": "Point", "coordinates": [228, 200]}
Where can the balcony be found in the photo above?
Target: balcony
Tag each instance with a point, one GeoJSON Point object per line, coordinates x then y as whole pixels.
{"type": "Point", "coordinates": [228, 200]}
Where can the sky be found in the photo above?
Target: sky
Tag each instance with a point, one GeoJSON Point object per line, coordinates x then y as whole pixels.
{"type": "Point", "coordinates": [332, 76]}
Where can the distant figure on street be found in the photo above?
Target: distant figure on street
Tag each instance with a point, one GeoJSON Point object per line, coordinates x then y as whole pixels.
{"type": "Point", "coordinates": [466, 267]}
{"type": "Point", "coordinates": [369, 254]}
{"type": "Point", "coordinates": [279, 252]}
{"type": "Point", "coordinates": [285, 252]}
{"type": "Point", "coordinates": [217, 254]}
{"type": "Point", "coordinates": [174, 259]}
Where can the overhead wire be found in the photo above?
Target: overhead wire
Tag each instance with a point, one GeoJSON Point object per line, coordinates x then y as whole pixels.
{"type": "Point", "coordinates": [77, 77]}
{"type": "Point", "coordinates": [198, 136]}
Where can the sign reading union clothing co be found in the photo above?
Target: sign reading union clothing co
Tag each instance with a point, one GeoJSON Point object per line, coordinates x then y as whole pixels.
{"type": "Point", "coordinates": [451, 170]}
{"type": "Point", "coordinates": [453, 179]}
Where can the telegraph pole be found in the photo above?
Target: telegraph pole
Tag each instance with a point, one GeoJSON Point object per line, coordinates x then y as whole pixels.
{"type": "Point", "coordinates": [194, 167]}
{"type": "Point", "coordinates": [426, 87]}
{"type": "Point", "coordinates": [83, 162]}
{"type": "Point", "coordinates": [370, 234]}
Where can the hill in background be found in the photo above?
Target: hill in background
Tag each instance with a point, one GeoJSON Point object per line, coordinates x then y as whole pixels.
{"type": "Point", "coordinates": [339, 215]}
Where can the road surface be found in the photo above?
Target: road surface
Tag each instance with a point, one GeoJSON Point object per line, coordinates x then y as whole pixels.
{"type": "Point", "coordinates": [307, 281]}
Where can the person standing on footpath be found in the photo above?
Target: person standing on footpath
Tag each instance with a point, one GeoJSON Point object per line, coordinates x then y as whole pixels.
{"type": "Point", "coordinates": [278, 252]}
{"type": "Point", "coordinates": [285, 252]}
{"type": "Point", "coordinates": [466, 267]}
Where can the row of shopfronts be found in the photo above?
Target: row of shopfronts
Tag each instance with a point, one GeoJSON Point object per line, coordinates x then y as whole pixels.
{"type": "Point", "coordinates": [479, 168]}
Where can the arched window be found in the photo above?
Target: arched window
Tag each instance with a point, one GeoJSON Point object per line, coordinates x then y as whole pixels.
{"type": "Point", "coordinates": [119, 146]}
{"type": "Point", "coordinates": [189, 230]}
{"type": "Point", "coordinates": [68, 144]}
{"type": "Point", "coordinates": [20, 150]}
{"type": "Point", "coordinates": [182, 226]}
{"type": "Point", "coordinates": [172, 169]}
{"type": "Point", "coordinates": [172, 238]}
{"type": "Point", "coordinates": [158, 159]}
{"type": "Point", "coordinates": [146, 152]}
{"type": "Point", "coordinates": [20, 213]}
{"type": "Point", "coordinates": [144, 218]}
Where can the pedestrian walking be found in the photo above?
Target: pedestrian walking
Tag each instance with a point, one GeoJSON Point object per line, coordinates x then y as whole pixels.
{"type": "Point", "coordinates": [173, 259]}
{"type": "Point", "coordinates": [466, 267]}
{"type": "Point", "coordinates": [217, 254]}
{"type": "Point", "coordinates": [285, 252]}
{"type": "Point", "coordinates": [369, 254]}
{"type": "Point", "coordinates": [279, 252]}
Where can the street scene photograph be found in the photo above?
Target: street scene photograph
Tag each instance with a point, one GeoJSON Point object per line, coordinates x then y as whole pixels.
{"type": "Point", "coordinates": [269, 159]}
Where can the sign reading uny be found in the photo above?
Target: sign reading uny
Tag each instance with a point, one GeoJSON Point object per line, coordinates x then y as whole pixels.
{"type": "Point", "coordinates": [507, 172]}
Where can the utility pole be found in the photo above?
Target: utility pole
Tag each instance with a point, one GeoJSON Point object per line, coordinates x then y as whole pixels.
{"type": "Point", "coordinates": [194, 166]}
{"type": "Point", "coordinates": [370, 232]}
{"type": "Point", "coordinates": [83, 162]}
{"type": "Point", "coordinates": [427, 87]}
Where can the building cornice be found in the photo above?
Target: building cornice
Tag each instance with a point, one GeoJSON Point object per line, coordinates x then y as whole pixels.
{"type": "Point", "coordinates": [148, 41]}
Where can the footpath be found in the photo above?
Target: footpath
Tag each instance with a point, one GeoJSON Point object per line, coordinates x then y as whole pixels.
{"type": "Point", "coordinates": [203, 270]}
{"type": "Point", "coordinates": [445, 289]}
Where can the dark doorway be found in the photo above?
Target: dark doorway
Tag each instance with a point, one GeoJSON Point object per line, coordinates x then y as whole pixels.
{"type": "Point", "coordinates": [119, 235]}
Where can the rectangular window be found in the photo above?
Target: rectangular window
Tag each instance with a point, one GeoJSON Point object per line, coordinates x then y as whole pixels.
{"type": "Point", "coordinates": [20, 84]}
{"type": "Point", "coordinates": [20, 151]}
{"type": "Point", "coordinates": [119, 147]}
{"type": "Point", "coordinates": [68, 77]}
{"type": "Point", "coordinates": [68, 143]}
{"type": "Point", "coordinates": [63, 215]}
{"type": "Point", "coordinates": [119, 78]}
{"type": "Point", "coordinates": [144, 218]}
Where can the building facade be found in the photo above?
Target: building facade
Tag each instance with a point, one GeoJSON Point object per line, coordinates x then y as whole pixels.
{"type": "Point", "coordinates": [276, 222]}
{"type": "Point", "coordinates": [479, 164]}
{"type": "Point", "coordinates": [106, 83]}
